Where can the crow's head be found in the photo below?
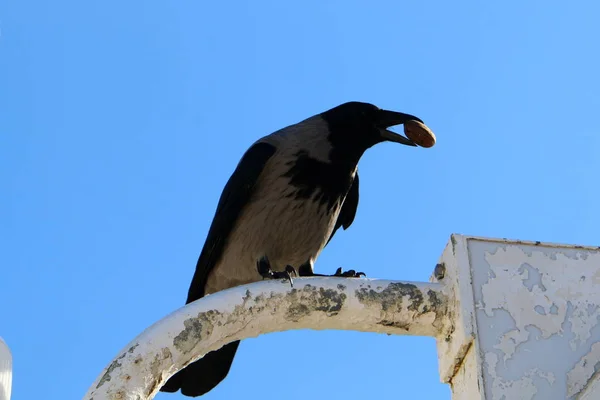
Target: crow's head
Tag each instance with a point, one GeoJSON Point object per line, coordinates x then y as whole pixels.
{"type": "Point", "coordinates": [355, 126]}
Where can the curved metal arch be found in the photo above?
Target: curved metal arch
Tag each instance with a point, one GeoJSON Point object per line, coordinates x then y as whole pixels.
{"type": "Point", "coordinates": [180, 338]}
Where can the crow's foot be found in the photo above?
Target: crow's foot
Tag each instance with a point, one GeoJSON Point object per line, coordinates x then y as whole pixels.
{"type": "Point", "coordinates": [306, 270]}
{"type": "Point", "coordinates": [264, 269]}
{"type": "Point", "coordinates": [348, 274]}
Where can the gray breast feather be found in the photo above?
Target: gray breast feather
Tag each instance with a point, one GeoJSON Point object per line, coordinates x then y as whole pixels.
{"type": "Point", "coordinates": [285, 229]}
{"type": "Point", "coordinates": [275, 223]}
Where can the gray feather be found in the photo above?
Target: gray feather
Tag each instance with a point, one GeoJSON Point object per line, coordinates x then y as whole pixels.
{"type": "Point", "coordinates": [276, 222]}
{"type": "Point", "coordinates": [234, 199]}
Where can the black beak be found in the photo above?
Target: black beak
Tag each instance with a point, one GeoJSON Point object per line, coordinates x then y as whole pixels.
{"type": "Point", "coordinates": [386, 118]}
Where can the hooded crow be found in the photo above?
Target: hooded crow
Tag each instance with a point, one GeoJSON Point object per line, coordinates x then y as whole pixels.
{"type": "Point", "coordinates": [289, 194]}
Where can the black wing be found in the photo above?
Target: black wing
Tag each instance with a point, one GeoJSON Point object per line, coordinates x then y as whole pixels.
{"type": "Point", "coordinates": [348, 211]}
{"type": "Point", "coordinates": [235, 196]}
{"type": "Point", "coordinates": [204, 374]}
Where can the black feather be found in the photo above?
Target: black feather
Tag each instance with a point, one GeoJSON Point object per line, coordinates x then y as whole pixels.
{"type": "Point", "coordinates": [348, 211]}
{"type": "Point", "coordinates": [319, 181]}
{"type": "Point", "coordinates": [206, 373]}
{"type": "Point", "coordinates": [345, 219]}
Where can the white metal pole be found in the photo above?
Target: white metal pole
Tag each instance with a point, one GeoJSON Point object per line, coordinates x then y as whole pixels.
{"type": "Point", "coordinates": [367, 305]}
{"type": "Point", "coordinates": [5, 371]}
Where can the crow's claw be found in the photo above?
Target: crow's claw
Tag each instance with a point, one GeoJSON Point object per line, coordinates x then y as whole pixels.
{"type": "Point", "coordinates": [264, 269]}
{"type": "Point", "coordinates": [291, 270]}
{"type": "Point", "coordinates": [349, 274]}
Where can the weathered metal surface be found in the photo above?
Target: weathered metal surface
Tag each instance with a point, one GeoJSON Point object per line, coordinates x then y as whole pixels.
{"type": "Point", "coordinates": [536, 309]}
{"type": "Point", "coordinates": [460, 333]}
{"type": "Point", "coordinates": [592, 390]}
{"type": "Point", "coordinates": [465, 382]}
{"type": "Point", "coordinates": [5, 371]}
{"type": "Point", "coordinates": [367, 305]}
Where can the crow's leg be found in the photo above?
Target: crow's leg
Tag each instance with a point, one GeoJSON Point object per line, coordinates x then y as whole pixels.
{"type": "Point", "coordinates": [264, 269]}
{"type": "Point", "coordinates": [306, 269]}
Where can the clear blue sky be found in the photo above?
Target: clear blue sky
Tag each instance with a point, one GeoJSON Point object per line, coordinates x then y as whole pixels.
{"type": "Point", "coordinates": [120, 122]}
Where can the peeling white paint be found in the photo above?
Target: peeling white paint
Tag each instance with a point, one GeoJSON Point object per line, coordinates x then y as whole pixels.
{"type": "Point", "coordinates": [583, 371]}
{"type": "Point", "coordinates": [536, 315]}
{"type": "Point", "coordinates": [549, 294]}
{"type": "Point", "coordinates": [559, 281]}
{"type": "Point", "coordinates": [523, 388]}
{"type": "Point", "coordinates": [358, 304]}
